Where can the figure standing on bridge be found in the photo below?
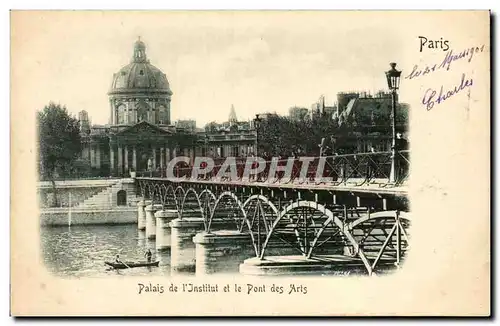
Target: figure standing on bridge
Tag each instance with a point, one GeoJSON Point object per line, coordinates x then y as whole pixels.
{"type": "Point", "coordinates": [371, 165]}
{"type": "Point", "coordinates": [401, 159]}
{"type": "Point", "coordinates": [322, 147]}
{"type": "Point", "coordinates": [401, 143]}
{"type": "Point", "coordinates": [150, 166]}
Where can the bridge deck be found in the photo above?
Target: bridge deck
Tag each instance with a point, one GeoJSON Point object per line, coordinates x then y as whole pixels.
{"type": "Point", "coordinates": [371, 188]}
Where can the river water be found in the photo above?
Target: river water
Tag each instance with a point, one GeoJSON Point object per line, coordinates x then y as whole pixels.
{"type": "Point", "coordinates": [80, 251]}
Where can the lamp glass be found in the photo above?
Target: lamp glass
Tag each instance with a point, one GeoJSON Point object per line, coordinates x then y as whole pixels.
{"type": "Point", "coordinates": [393, 77]}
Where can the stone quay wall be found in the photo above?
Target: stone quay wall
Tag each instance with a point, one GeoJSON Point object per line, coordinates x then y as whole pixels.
{"type": "Point", "coordinates": [62, 216]}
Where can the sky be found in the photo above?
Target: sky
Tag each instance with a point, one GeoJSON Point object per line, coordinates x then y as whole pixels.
{"type": "Point", "coordinates": [256, 61]}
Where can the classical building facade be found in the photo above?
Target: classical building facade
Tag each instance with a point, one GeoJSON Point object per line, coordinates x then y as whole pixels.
{"type": "Point", "coordinates": [231, 138]}
{"type": "Point", "coordinates": [140, 135]}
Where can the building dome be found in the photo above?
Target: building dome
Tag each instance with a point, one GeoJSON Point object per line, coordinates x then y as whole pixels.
{"type": "Point", "coordinates": [139, 92]}
{"type": "Point", "coordinates": [140, 76]}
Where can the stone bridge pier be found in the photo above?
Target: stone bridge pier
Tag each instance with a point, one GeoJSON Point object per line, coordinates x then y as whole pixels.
{"type": "Point", "coordinates": [141, 214]}
{"type": "Point", "coordinates": [221, 251]}
{"type": "Point", "coordinates": [163, 230]}
{"type": "Point", "coordinates": [183, 257]}
{"type": "Point", "coordinates": [151, 220]}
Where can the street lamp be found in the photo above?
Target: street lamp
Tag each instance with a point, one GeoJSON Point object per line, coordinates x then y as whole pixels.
{"type": "Point", "coordinates": [256, 123]}
{"type": "Point", "coordinates": [321, 147]}
{"type": "Point", "coordinates": [393, 78]}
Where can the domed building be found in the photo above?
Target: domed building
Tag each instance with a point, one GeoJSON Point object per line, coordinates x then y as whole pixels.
{"type": "Point", "coordinates": [140, 135]}
{"type": "Point", "coordinates": [139, 92]}
{"type": "Point", "coordinates": [139, 129]}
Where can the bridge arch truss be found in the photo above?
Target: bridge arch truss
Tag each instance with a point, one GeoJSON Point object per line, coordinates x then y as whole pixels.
{"type": "Point", "coordinates": [370, 228]}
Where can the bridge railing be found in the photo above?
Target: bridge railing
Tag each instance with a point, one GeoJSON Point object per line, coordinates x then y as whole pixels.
{"type": "Point", "coordinates": [354, 169]}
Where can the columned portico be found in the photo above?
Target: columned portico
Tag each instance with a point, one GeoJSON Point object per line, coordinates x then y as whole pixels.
{"type": "Point", "coordinates": [154, 157]}
{"type": "Point", "coordinates": [92, 155]}
{"type": "Point", "coordinates": [120, 160]}
{"type": "Point", "coordinates": [146, 141]}
{"type": "Point", "coordinates": [98, 157]}
{"type": "Point", "coordinates": [191, 154]}
{"type": "Point", "coordinates": [134, 159]}
{"type": "Point", "coordinates": [126, 159]}
{"type": "Point", "coordinates": [111, 158]}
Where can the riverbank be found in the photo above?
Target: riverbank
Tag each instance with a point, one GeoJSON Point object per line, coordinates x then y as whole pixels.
{"type": "Point", "coordinates": [87, 216]}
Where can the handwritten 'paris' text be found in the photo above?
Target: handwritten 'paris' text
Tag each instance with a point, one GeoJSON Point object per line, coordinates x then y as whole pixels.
{"type": "Point", "coordinates": [430, 99]}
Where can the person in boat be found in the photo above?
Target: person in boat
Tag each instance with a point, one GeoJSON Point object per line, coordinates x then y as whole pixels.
{"type": "Point", "coordinates": [148, 255]}
{"type": "Point", "coordinates": [117, 259]}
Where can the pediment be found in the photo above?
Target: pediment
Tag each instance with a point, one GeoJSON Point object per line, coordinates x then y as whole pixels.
{"type": "Point", "coordinates": [143, 128]}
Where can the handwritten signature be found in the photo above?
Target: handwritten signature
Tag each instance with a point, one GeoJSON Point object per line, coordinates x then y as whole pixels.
{"type": "Point", "coordinates": [446, 63]}
{"type": "Point", "coordinates": [430, 99]}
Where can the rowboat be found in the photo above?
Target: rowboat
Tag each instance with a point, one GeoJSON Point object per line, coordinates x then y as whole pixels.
{"type": "Point", "coordinates": [131, 264]}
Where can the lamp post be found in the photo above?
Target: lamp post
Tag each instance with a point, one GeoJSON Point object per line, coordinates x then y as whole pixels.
{"type": "Point", "coordinates": [393, 78]}
{"type": "Point", "coordinates": [256, 122]}
{"type": "Point", "coordinates": [321, 147]}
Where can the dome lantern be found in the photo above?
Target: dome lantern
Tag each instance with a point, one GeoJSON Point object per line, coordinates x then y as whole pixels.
{"type": "Point", "coordinates": [139, 52]}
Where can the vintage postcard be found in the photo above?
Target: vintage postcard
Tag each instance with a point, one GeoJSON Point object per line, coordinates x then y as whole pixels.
{"type": "Point", "coordinates": [250, 163]}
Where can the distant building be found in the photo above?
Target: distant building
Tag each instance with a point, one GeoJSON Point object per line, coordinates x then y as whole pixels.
{"type": "Point", "coordinates": [186, 125]}
{"type": "Point", "coordinates": [83, 117]}
{"type": "Point", "coordinates": [267, 115]}
{"type": "Point", "coordinates": [297, 113]}
{"type": "Point", "coordinates": [320, 109]}
{"type": "Point", "coordinates": [230, 138]}
{"type": "Point", "coordinates": [232, 117]}
{"type": "Point", "coordinates": [369, 119]}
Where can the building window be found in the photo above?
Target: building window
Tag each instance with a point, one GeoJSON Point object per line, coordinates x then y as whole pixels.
{"type": "Point", "coordinates": [121, 198]}
{"type": "Point", "coordinates": [142, 111]}
{"type": "Point", "coordinates": [122, 111]}
{"type": "Point", "coordinates": [162, 113]}
{"type": "Point", "coordinates": [141, 72]}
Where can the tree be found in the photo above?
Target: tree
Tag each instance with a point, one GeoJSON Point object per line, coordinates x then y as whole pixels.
{"type": "Point", "coordinates": [59, 143]}
{"type": "Point", "coordinates": [280, 135]}
{"type": "Point", "coordinates": [275, 135]}
{"type": "Point", "coordinates": [211, 126]}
